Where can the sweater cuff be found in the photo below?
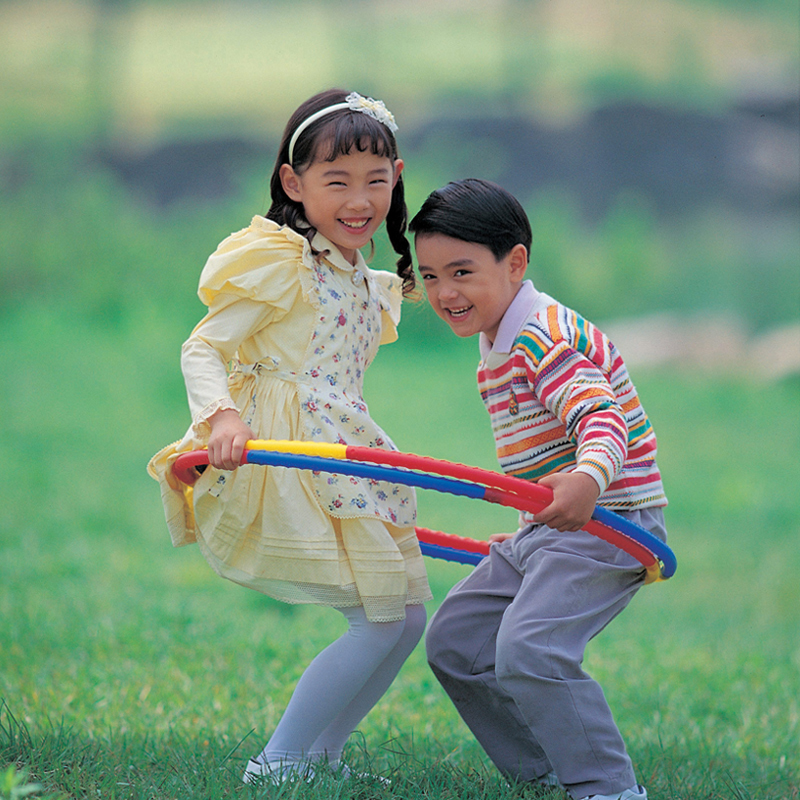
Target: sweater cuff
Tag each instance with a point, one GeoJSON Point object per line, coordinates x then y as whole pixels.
{"type": "Point", "coordinates": [598, 472]}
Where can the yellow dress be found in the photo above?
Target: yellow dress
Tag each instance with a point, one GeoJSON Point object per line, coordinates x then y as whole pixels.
{"type": "Point", "coordinates": [286, 340]}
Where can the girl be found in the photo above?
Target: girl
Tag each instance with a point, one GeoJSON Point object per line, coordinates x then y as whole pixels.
{"type": "Point", "coordinates": [294, 318]}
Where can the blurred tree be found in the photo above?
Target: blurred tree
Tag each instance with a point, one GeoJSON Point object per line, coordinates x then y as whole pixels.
{"type": "Point", "coordinates": [104, 67]}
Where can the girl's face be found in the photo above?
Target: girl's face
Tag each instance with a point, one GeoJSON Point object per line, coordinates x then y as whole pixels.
{"type": "Point", "coordinates": [346, 199]}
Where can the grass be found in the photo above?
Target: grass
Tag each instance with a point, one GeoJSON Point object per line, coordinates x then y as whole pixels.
{"type": "Point", "coordinates": [128, 670]}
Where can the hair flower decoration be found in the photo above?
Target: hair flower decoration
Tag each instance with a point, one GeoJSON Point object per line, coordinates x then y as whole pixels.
{"type": "Point", "coordinates": [354, 102]}
{"type": "Point", "coordinates": [372, 108]}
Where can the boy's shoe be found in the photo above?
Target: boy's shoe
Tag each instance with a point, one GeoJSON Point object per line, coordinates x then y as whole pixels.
{"type": "Point", "coordinates": [634, 793]}
{"type": "Point", "coordinates": [257, 771]}
{"type": "Point", "coordinates": [549, 779]}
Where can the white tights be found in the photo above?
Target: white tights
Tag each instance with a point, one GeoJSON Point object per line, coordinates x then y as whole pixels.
{"type": "Point", "coordinates": [341, 685]}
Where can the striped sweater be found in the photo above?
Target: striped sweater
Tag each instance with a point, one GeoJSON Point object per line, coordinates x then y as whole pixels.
{"type": "Point", "coordinates": [560, 400]}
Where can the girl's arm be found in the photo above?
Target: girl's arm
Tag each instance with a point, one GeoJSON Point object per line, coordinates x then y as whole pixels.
{"type": "Point", "coordinates": [228, 437]}
{"type": "Point", "coordinates": [210, 348]}
{"type": "Point", "coordinates": [204, 359]}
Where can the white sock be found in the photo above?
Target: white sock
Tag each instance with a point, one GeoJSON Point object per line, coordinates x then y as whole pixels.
{"type": "Point", "coordinates": [340, 686]}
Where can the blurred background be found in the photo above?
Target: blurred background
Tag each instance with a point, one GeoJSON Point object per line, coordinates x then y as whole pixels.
{"type": "Point", "coordinates": [656, 147]}
{"type": "Point", "coordinates": [654, 143]}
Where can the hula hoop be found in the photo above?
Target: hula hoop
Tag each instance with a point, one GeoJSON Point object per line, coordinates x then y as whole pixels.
{"type": "Point", "coordinates": [443, 476]}
{"type": "Point", "coordinates": [449, 547]}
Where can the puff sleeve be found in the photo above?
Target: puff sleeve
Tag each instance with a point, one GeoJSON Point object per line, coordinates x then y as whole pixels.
{"type": "Point", "coordinates": [390, 294]}
{"type": "Point", "coordinates": [251, 280]}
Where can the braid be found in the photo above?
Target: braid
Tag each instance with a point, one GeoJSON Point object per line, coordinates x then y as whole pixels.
{"type": "Point", "coordinates": [396, 221]}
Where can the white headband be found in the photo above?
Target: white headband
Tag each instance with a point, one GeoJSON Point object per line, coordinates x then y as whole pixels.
{"type": "Point", "coordinates": [355, 102]}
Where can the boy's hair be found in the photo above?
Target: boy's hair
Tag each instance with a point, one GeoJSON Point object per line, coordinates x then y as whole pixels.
{"type": "Point", "coordinates": [477, 211]}
{"type": "Point", "coordinates": [339, 133]}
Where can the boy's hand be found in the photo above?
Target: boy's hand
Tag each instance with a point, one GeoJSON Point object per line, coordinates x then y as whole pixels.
{"type": "Point", "coordinates": [574, 498]}
{"type": "Point", "coordinates": [500, 537]}
{"type": "Point", "coordinates": [228, 438]}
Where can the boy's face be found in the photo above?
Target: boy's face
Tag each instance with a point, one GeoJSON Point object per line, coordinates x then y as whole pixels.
{"type": "Point", "coordinates": [466, 286]}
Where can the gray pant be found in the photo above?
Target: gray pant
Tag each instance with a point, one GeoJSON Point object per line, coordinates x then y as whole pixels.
{"type": "Point", "coordinates": [507, 645]}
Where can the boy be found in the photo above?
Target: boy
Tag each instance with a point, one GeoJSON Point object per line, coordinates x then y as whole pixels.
{"type": "Point", "coordinates": [508, 641]}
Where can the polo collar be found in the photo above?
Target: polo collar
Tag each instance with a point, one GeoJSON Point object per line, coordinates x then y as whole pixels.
{"type": "Point", "coordinates": [515, 317]}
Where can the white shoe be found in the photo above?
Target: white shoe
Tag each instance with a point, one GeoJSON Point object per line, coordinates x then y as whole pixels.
{"type": "Point", "coordinates": [343, 771]}
{"type": "Point", "coordinates": [634, 793]}
{"type": "Point", "coordinates": [276, 772]}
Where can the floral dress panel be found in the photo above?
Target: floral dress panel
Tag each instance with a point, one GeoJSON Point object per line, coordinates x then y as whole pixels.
{"type": "Point", "coordinates": [344, 342]}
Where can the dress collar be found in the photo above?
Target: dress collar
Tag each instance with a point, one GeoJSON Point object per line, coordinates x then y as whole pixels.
{"type": "Point", "coordinates": [515, 317]}
{"type": "Point", "coordinates": [334, 256]}
{"type": "Point", "coordinates": [320, 244]}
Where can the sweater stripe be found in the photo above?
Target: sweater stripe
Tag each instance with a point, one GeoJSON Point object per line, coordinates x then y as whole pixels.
{"type": "Point", "coordinates": [575, 409]}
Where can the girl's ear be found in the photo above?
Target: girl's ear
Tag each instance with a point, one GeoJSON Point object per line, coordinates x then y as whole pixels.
{"type": "Point", "coordinates": [518, 262]}
{"type": "Point", "coordinates": [398, 168]}
{"type": "Point", "coordinates": [291, 183]}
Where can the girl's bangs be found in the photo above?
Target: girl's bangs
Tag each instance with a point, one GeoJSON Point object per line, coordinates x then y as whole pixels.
{"type": "Point", "coordinates": [347, 133]}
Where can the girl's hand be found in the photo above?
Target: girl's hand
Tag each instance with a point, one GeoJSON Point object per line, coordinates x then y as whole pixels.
{"type": "Point", "coordinates": [574, 498]}
{"type": "Point", "coordinates": [228, 438]}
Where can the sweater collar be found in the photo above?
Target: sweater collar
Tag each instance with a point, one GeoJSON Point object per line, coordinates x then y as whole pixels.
{"type": "Point", "coordinates": [515, 317]}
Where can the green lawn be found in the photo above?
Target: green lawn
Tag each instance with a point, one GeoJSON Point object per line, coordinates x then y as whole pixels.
{"type": "Point", "coordinates": [129, 670]}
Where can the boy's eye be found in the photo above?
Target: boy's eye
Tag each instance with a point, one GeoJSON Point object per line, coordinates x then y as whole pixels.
{"type": "Point", "coordinates": [461, 272]}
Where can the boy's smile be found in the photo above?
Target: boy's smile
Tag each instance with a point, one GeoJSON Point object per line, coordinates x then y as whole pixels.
{"type": "Point", "coordinates": [466, 286]}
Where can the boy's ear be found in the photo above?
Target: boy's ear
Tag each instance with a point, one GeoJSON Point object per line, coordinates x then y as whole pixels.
{"type": "Point", "coordinates": [518, 262]}
{"type": "Point", "coordinates": [290, 183]}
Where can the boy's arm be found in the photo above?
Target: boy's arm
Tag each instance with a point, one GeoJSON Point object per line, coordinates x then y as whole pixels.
{"type": "Point", "coordinates": [578, 392]}
{"type": "Point", "coordinates": [574, 498]}
{"type": "Point", "coordinates": [501, 537]}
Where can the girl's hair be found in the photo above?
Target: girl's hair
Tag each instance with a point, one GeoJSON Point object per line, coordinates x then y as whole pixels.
{"type": "Point", "coordinates": [477, 211]}
{"type": "Point", "coordinates": [339, 133]}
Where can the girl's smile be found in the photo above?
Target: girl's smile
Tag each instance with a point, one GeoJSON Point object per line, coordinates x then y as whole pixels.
{"type": "Point", "coordinates": [466, 286]}
{"type": "Point", "coordinates": [346, 199]}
